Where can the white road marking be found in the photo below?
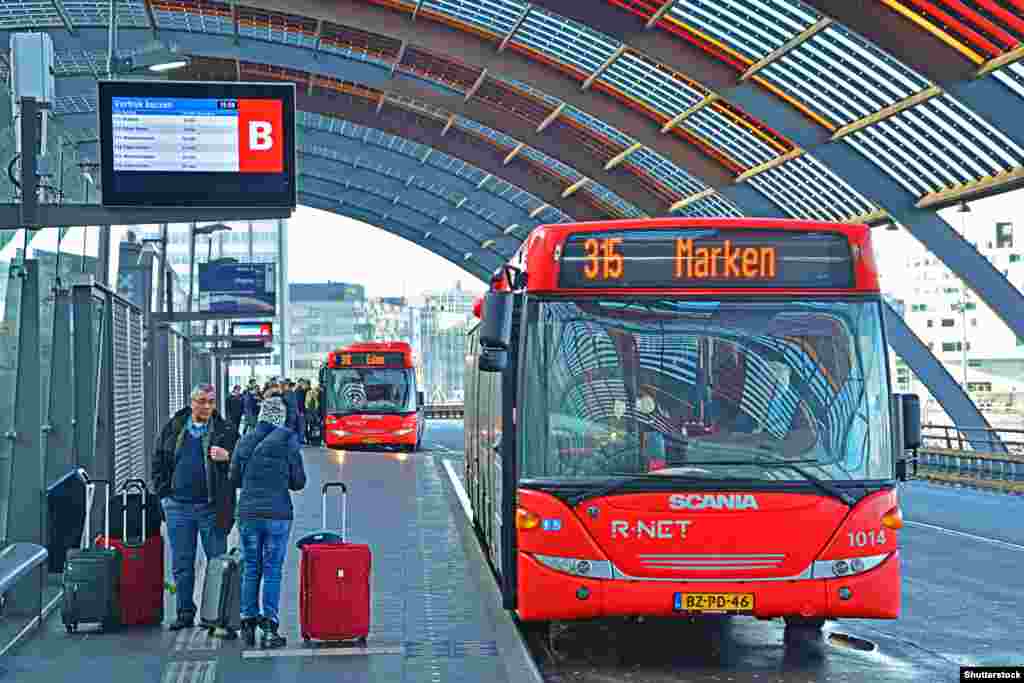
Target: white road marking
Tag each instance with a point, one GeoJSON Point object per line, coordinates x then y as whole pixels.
{"type": "Point", "coordinates": [190, 671]}
{"type": "Point", "coordinates": [953, 532]}
{"type": "Point", "coordinates": [460, 490]}
{"type": "Point", "coordinates": [323, 652]}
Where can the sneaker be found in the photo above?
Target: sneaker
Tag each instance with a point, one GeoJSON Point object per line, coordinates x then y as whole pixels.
{"type": "Point", "coordinates": [271, 638]}
{"type": "Point", "coordinates": [249, 631]}
{"type": "Point", "coordinates": [184, 620]}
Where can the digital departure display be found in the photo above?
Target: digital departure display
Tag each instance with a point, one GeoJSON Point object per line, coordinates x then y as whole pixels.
{"type": "Point", "coordinates": [197, 144]}
{"type": "Point", "coordinates": [702, 259]}
{"type": "Point", "coordinates": [387, 359]}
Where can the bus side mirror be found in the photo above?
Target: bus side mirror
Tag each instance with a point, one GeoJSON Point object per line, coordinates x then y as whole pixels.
{"type": "Point", "coordinates": [492, 360]}
{"type": "Point", "coordinates": [911, 421]}
{"type": "Point", "coordinates": [496, 328]}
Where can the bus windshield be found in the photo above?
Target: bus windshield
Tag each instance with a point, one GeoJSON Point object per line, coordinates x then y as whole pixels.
{"type": "Point", "coordinates": [709, 389]}
{"type": "Point", "coordinates": [369, 390]}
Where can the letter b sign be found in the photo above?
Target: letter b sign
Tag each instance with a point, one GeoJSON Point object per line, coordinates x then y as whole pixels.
{"type": "Point", "coordinates": [261, 136]}
{"type": "Point", "coordinates": [260, 133]}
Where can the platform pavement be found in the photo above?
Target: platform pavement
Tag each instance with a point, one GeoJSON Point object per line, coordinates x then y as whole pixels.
{"type": "Point", "coordinates": [435, 617]}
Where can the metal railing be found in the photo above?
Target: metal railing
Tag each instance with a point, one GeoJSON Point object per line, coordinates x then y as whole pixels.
{"type": "Point", "coordinates": [444, 411]}
{"type": "Point", "coordinates": [946, 453]}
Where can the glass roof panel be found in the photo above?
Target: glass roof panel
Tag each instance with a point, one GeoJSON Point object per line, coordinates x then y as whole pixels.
{"type": "Point", "coordinates": [29, 14]}
{"type": "Point", "coordinates": [494, 16]}
{"type": "Point", "coordinates": [585, 119]}
{"type": "Point", "coordinates": [739, 142]}
{"type": "Point", "coordinates": [805, 188]}
{"type": "Point", "coordinates": [843, 77]}
{"type": "Point", "coordinates": [130, 13]}
{"type": "Point", "coordinates": [752, 28]}
{"type": "Point", "coordinates": [211, 17]}
{"type": "Point", "coordinates": [937, 144]}
{"type": "Point", "coordinates": [565, 41]}
{"type": "Point", "coordinates": [1012, 76]}
{"type": "Point", "coordinates": [681, 182]}
{"type": "Point", "coordinates": [76, 62]}
{"type": "Point", "coordinates": [276, 27]}
{"type": "Point", "coordinates": [621, 206]}
{"type": "Point", "coordinates": [651, 84]}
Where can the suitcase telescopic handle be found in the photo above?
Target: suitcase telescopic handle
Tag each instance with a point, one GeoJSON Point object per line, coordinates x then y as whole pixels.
{"type": "Point", "coordinates": [344, 505]}
{"type": "Point", "coordinates": [138, 485]}
{"type": "Point", "coordinates": [106, 511]}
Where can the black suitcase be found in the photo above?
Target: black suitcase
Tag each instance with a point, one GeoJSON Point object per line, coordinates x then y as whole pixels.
{"type": "Point", "coordinates": [222, 594]}
{"type": "Point", "coordinates": [92, 579]}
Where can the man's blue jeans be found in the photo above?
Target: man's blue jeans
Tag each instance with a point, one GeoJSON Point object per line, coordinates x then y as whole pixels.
{"type": "Point", "coordinates": [264, 548]}
{"type": "Point", "coordinates": [186, 523]}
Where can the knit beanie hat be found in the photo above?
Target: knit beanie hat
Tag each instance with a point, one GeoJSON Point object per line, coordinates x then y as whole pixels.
{"type": "Point", "coordinates": [273, 411]}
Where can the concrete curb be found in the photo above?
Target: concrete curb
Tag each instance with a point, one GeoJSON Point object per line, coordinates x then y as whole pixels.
{"type": "Point", "coordinates": [515, 655]}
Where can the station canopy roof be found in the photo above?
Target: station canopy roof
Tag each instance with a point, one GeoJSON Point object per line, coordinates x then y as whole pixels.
{"type": "Point", "coordinates": [463, 124]}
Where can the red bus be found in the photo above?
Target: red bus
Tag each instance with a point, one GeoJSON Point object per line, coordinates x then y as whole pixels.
{"type": "Point", "coordinates": [370, 397]}
{"type": "Point", "coordinates": [688, 416]}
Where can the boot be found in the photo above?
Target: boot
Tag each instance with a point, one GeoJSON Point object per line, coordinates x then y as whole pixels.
{"type": "Point", "coordinates": [249, 631]}
{"type": "Point", "coordinates": [184, 620]}
{"type": "Point", "coordinates": [271, 638]}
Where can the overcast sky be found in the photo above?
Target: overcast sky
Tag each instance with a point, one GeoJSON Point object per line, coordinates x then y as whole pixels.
{"type": "Point", "coordinates": [325, 246]}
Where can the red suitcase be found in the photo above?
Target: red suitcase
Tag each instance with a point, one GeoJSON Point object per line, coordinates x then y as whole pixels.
{"type": "Point", "coordinates": [142, 567]}
{"type": "Point", "coordinates": [334, 581]}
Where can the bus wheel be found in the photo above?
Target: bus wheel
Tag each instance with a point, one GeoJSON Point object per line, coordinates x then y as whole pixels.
{"type": "Point", "coordinates": [802, 629]}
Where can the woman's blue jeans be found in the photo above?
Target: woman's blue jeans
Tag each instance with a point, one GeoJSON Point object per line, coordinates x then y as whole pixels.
{"type": "Point", "coordinates": [264, 548]}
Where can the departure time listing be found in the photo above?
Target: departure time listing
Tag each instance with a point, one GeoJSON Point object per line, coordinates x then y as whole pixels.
{"type": "Point", "coordinates": [175, 134]}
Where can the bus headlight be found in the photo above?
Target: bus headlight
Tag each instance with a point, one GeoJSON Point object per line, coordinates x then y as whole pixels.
{"type": "Point", "coordinates": [830, 569]}
{"type": "Point", "coordinates": [339, 432]}
{"type": "Point", "coordinates": [403, 432]}
{"type": "Point", "coordinates": [591, 569]}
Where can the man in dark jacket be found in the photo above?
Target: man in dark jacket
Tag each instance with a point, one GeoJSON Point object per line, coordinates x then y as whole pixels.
{"type": "Point", "coordinates": [235, 407]}
{"type": "Point", "coordinates": [190, 476]}
{"type": "Point", "coordinates": [266, 465]}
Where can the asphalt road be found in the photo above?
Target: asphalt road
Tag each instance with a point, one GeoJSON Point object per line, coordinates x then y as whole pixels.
{"type": "Point", "coordinates": [963, 553]}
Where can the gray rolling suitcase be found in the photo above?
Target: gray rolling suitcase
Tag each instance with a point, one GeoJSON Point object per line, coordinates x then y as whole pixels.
{"type": "Point", "coordinates": [222, 594]}
{"type": "Point", "coordinates": [92, 579]}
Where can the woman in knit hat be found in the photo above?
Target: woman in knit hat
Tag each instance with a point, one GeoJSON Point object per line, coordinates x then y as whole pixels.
{"type": "Point", "coordinates": [266, 466]}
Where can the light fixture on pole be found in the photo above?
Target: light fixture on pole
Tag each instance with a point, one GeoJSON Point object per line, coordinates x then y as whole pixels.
{"type": "Point", "coordinates": [155, 57]}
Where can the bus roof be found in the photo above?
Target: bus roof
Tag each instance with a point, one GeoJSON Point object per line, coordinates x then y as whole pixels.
{"type": "Point", "coordinates": [549, 252]}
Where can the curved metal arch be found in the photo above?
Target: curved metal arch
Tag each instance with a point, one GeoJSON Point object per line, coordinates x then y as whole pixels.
{"type": "Point", "coordinates": [401, 194]}
{"type": "Point", "coordinates": [404, 177]}
{"type": "Point", "coordinates": [352, 192]}
{"type": "Point", "coordinates": [476, 269]}
{"type": "Point", "coordinates": [404, 167]}
{"type": "Point", "coordinates": [939, 382]}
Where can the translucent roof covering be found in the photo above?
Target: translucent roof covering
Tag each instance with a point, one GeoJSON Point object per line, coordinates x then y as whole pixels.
{"type": "Point", "coordinates": [680, 134]}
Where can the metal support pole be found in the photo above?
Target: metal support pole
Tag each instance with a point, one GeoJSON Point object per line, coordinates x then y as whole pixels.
{"type": "Point", "coordinates": [191, 269]}
{"type": "Point", "coordinates": [25, 509]}
{"type": "Point", "coordinates": [162, 283]}
{"type": "Point", "coordinates": [29, 148]}
{"type": "Point", "coordinates": [59, 427]}
{"type": "Point", "coordinates": [103, 257]}
{"type": "Point", "coordinates": [282, 296]}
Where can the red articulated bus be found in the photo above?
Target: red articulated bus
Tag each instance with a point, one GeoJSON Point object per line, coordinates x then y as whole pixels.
{"type": "Point", "coordinates": [688, 416]}
{"type": "Point", "coordinates": [370, 398]}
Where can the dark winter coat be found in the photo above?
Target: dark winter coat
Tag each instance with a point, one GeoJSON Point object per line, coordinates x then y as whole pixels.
{"type": "Point", "coordinates": [266, 465]}
{"type": "Point", "coordinates": [165, 458]}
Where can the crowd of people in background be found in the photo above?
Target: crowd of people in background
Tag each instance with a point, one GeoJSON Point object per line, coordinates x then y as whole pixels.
{"type": "Point", "coordinates": [300, 398]}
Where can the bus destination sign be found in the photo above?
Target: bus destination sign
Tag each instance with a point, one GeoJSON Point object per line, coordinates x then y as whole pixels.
{"type": "Point", "coordinates": [702, 259]}
{"type": "Point", "coordinates": [371, 360]}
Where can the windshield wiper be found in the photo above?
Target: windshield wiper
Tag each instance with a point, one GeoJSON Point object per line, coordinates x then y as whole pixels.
{"type": "Point", "coordinates": [775, 461]}
{"type": "Point", "coordinates": [631, 477]}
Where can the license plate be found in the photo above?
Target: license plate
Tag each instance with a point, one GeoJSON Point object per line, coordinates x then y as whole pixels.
{"type": "Point", "coordinates": [371, 439]}
{"type": "Point", "coordinates": [714, 602]}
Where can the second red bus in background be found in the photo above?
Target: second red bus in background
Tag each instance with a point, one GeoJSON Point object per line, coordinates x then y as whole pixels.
{"type": "Point", "coordinates": [370, 398]}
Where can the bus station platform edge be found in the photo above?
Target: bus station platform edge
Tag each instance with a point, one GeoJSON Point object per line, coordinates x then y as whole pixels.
{"type": "Point", "coordinates": [436, 614]}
